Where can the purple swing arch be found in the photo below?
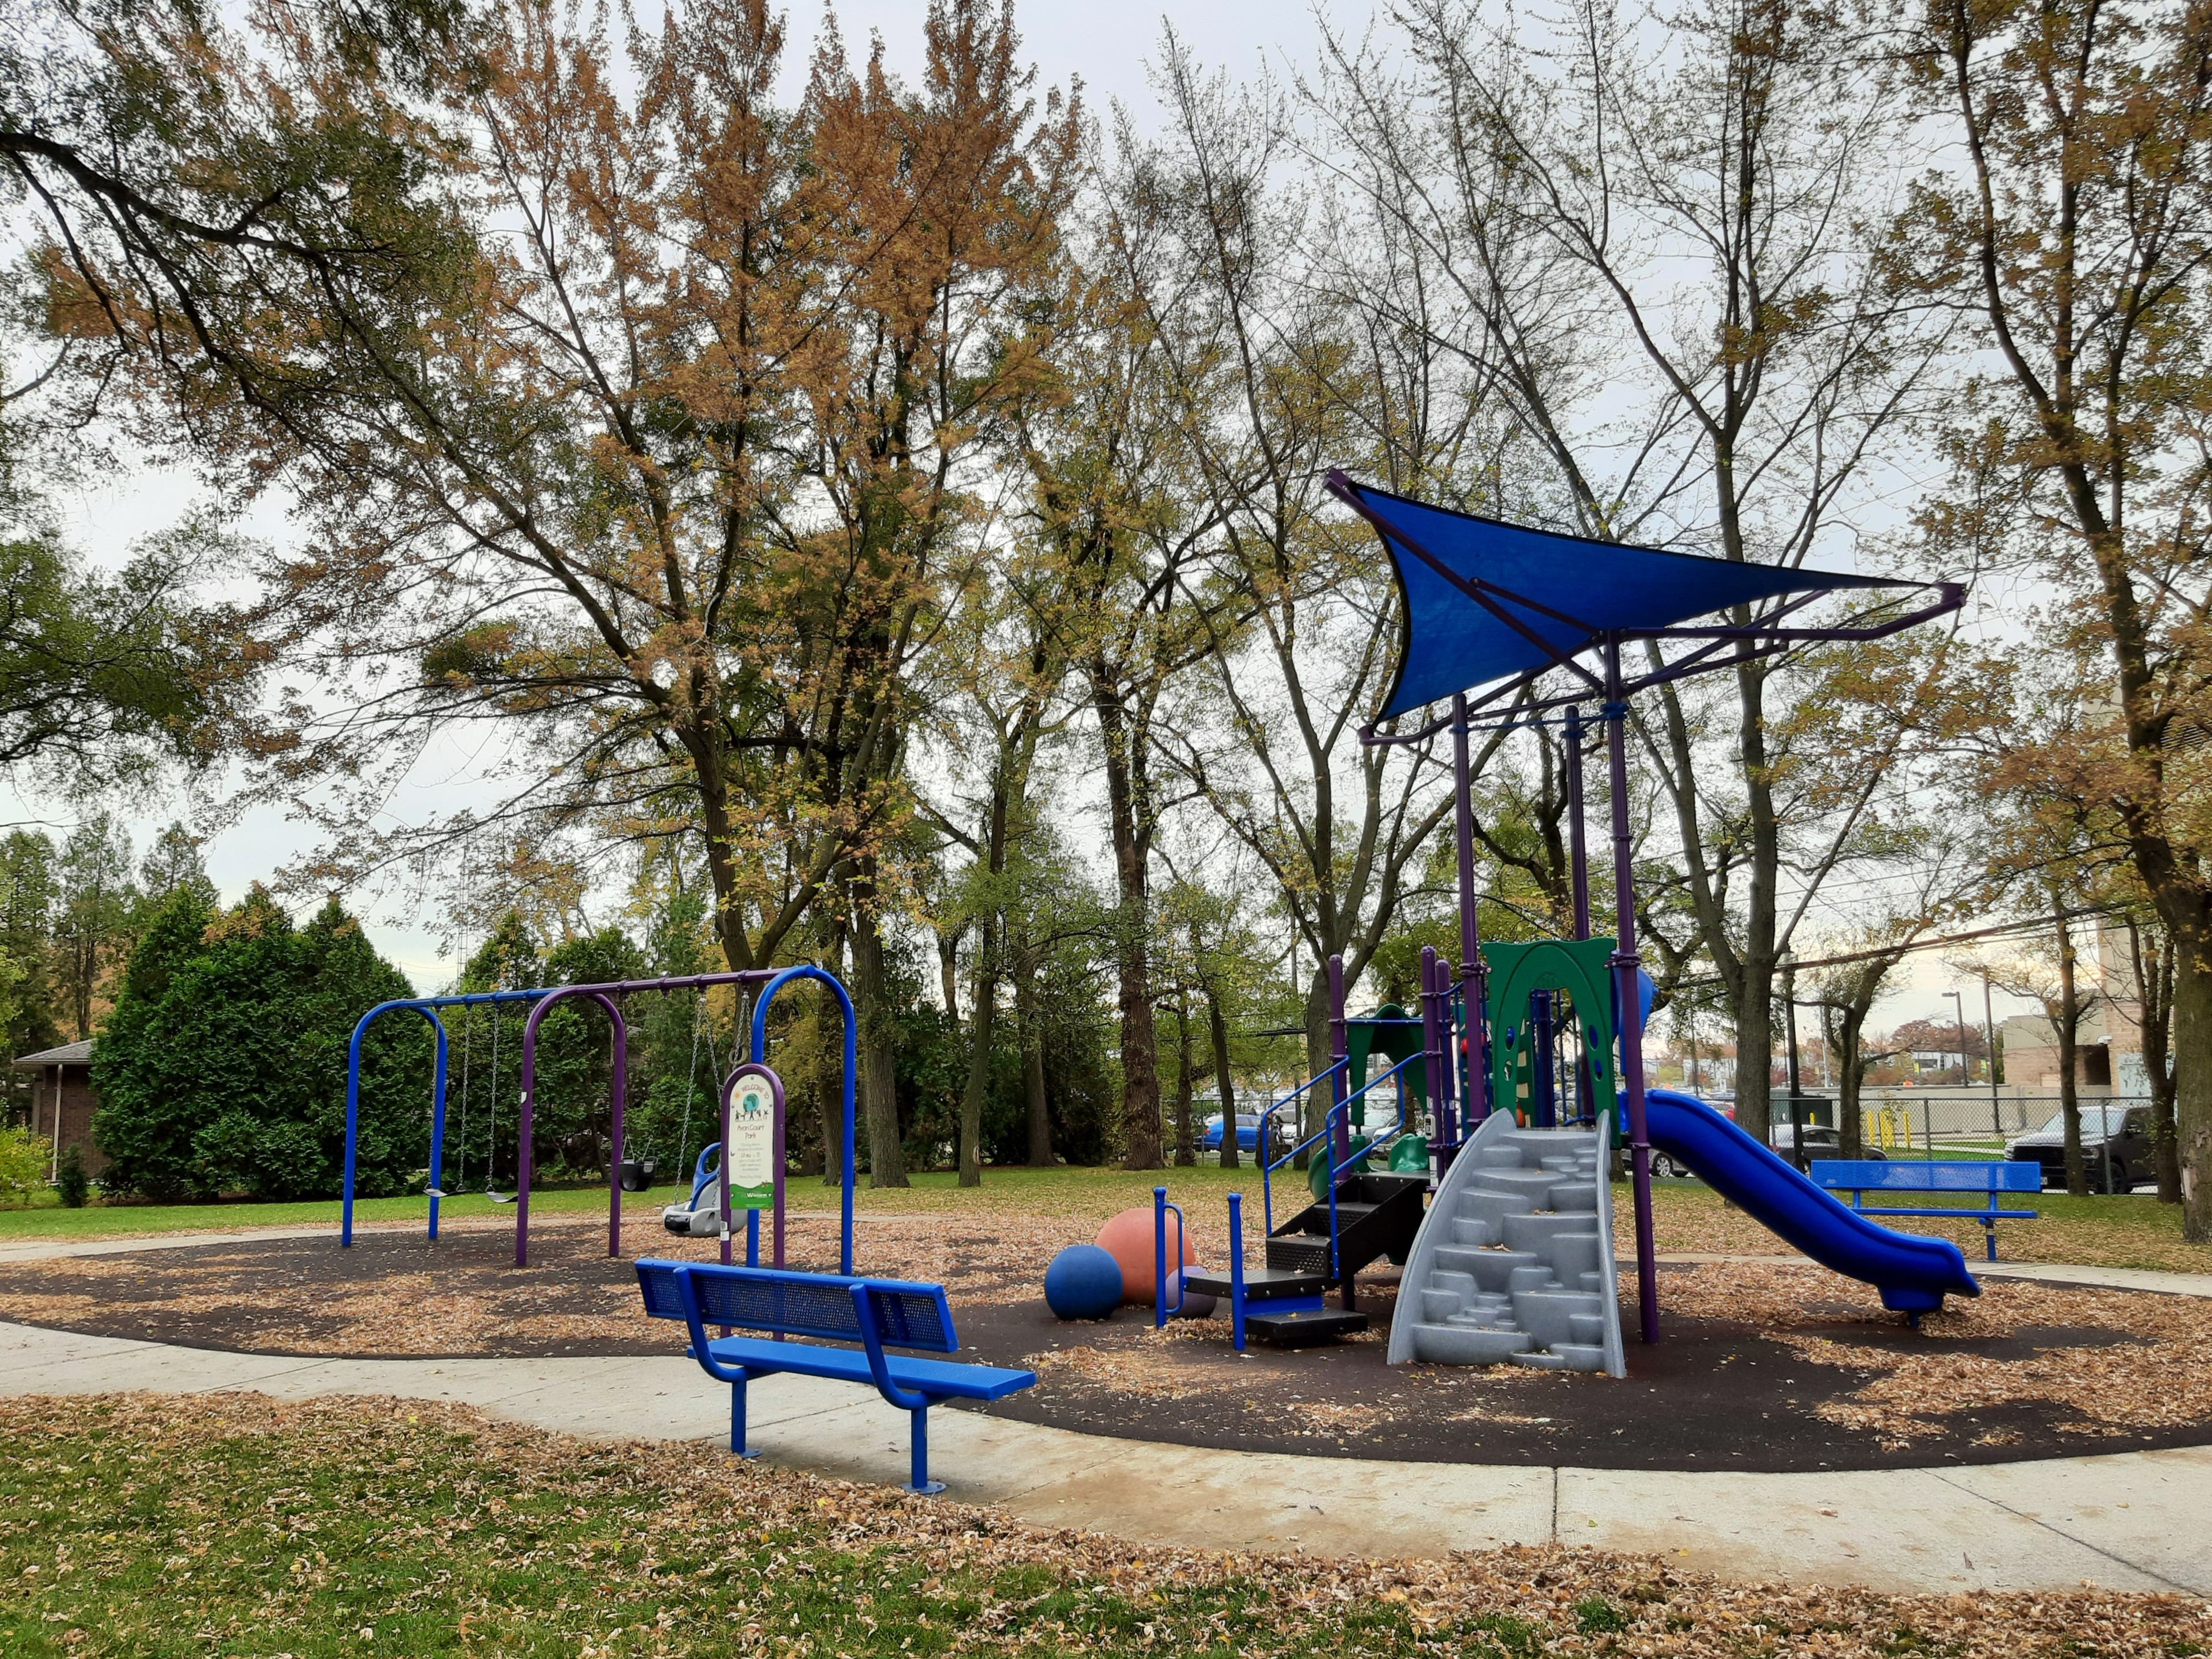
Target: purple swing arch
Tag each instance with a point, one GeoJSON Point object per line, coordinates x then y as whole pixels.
{"type": "Point", "coordinates": [609, 996]}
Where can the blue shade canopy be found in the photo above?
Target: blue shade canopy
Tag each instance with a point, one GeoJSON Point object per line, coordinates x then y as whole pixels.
{"type": "Point", "coordinates": [1539, 598]}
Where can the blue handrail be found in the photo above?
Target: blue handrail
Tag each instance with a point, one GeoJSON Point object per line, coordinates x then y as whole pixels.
{"type": "Point", "coordinates": [1328, 1133]}
{"type": "Point", "coordinates": [1259, 1136]}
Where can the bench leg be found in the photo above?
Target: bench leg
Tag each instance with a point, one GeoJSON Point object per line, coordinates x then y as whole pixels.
{"type": "Point", "coordinates": [921, 1482]}
{"type": "Point", "coordinates": [1989, 1236]}
{"type": "Point", "coordinates": [737, 1421]}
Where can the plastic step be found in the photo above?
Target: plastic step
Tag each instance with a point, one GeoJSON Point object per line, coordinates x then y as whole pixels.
{"type": "Point", "coordinates": [1563, 1357]}
{"type": "Point", "coordinates": [1304, 1330]}
{"type": "Point", "coordinates": [1458, 1345]}
{"type": "Point", "coordinates": [1260, 1283]}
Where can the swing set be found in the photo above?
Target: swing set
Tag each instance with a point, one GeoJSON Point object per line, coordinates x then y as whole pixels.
{"type": "Point", "coordinates": [758, 1177]}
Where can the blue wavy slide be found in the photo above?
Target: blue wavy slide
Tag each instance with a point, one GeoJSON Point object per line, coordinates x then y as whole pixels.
{"type": "Point", "coordinates": [1913, 1271]}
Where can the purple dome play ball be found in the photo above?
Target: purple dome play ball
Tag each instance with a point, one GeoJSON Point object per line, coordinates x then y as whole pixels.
{"type": "Point", "coordinates": [1196, 1304]}
{"type": "Point", "coordinates": [1084, 1282]}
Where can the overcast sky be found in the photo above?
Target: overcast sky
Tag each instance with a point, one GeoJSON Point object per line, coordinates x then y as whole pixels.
{"type": "Point", "coordinates": [1110, 47]}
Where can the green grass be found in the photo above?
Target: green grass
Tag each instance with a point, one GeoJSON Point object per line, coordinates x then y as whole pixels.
{"type": "Point", "coordinates": [2094, 1231]}
{"type": "Point", "coordinates": [1059, 1190]}
{"type": "Point", "coordinates": [2099, 1231]}
{"type": "Point", "coordinates": [96, 1221]}
{"type": "Point", "coordinates": [378, 1528]}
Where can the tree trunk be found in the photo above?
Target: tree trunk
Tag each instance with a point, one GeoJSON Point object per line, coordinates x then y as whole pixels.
{"type": "Point", "coordinates": [979, 1057]}
{"type": "Point", "coordinates": [1314, 1103]}
{"type": "Point", "coordinates": [1129, 818]}
{"type": "Point", "coordinates": [1754, 1049]}
{"type": "Point", "coordinates": [2155, 989]}
{"type": "Point", "coordinates": [2192, 1076]}
{"type": "Point", "coordinates": [1185, 1144]}
{"type": "Point", "coordinates": [832, 1093]}
{"type": "Point", "coordinates": [1850, 1071]}
{"type": "Point", "coordinates": [948, 971]}
{"type": "Point", "coordinates": [879, 1046]}
{"type": "Point", "coordinates": [1225, 1086]}
{"type": "Point", "coordinates": [1032, 1036]}
{"type": "Point", "coordinates": [2069, 1025]}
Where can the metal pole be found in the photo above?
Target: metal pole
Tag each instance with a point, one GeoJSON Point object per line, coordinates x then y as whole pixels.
{"type": "Point", "coordinates": [1433, 1042]}
{"type": "Point", "coordinates": [1630, 995]}
{"type": "Point", "coordinates": [1475, 1015]}
{"type": "Point", "coordinates": [1989, 1028]}
{"type": "Point", "coordinates": [1577, 849]}
{"type": "Point", "coordinates": [1236, 1267]}
{"type": "Point", "coordinates": [1340, 1050]}
{"type": "Point", "coordinates": [438, 1125]}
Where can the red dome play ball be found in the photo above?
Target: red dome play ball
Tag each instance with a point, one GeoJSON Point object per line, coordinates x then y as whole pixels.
{"type": "Point", "coordinates": [1129, 1239]}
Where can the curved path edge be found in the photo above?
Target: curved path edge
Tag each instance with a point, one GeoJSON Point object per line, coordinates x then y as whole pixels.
{"type": "Point", "coordinates": [2133, 1521]}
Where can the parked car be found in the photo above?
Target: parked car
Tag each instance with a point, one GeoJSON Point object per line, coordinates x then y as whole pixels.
{"type": "Point", "coordinates": [1820, 1141]}
{"type": "Point", "coordinates": [2117, 1151]}
{"type": "Point", "coordinates": [1248, 1133]}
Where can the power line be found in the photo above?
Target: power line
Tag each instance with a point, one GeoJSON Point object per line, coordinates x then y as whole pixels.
{"type": "Point", "coordinates": [2034, 924]}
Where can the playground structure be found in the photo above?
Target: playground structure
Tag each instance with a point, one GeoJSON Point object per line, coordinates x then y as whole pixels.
{"type": "Point", "coordinates": [765, 1142]}
{"type": "Point", "coordinates": [1545, 1034]}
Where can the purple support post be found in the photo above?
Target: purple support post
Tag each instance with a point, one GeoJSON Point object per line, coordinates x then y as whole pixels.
{"type": "Point", "coordinates": [1628, 995]}
{"type": "Point", "coordinates": [1470, 927]}
{"type": "Point", "coordinates": [1432, 1039]}
{"type": "Point", "coordinates": [1578, 859]}
{"type": "Point", "coordinates": [1340, 1049]}
{"type": "Point", "coordinates": [523, 1158]}
{"type": "Point", "coordinates": [1577, 845]}
{"type": "Point", "coordinates": [1236, 1266]}
{"type": "Point", "coordinates": [605, 995]}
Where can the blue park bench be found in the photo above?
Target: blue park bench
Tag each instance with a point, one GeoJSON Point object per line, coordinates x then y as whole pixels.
{"type": "Point", "coordinates": [1989, 1178]}
{"type": "Point", "coordinates": [876, 1313]}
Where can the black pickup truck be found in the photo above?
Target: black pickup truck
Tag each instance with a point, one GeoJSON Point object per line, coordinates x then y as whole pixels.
{"type": "Point", "coordinates": [2117, 1152]}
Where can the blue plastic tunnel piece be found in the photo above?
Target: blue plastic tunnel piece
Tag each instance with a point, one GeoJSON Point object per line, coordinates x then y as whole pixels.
{"type": "Point", "coordinates": [1913, 1271]}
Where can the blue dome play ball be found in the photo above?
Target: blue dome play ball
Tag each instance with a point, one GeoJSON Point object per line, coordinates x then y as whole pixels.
{"type": "Point", "coordinates": [1084, 1282]}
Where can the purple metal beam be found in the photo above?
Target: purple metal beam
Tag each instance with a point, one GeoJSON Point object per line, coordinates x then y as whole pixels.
{"type": "Point", "coordinates": [605, 995]}
{"type": "Point", "coordinates": [1340, 1049]}
{"type": "Point", "coordinates": [1470, 927]}
{"type": "Point", "coordinates": [1769, 641]}
{"type": "Point", "coordinates": [1435, 1028]}
{"type": "Point", "coordinates": [1577, 845]}
{"type": "Point", "coordinates": [1629, 995]}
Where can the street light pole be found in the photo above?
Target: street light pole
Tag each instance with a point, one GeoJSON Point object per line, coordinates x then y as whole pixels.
{"type": "Point", "coordinates": [1965, 1066]}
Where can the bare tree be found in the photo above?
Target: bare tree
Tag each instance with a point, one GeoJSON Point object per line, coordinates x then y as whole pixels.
{"type": "Point", "coordinates": [1658, 260]}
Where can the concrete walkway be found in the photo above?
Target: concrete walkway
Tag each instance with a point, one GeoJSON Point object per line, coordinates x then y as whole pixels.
{"type": "Point", "coordinates": [2135, 1521]}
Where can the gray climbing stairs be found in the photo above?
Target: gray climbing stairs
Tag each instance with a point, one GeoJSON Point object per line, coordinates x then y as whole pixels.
{"type": "Point", "coordinates": [1514, 1260]}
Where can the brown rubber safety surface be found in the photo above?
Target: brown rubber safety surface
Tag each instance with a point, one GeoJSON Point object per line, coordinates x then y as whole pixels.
{"type": "Point", "coordinates": [1765, 1367]}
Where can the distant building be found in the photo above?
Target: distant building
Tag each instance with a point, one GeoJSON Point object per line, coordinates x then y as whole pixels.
{"type": "Point", "coordinates": [63, 1101]}
{"type": "Point", "coordinates": [2108, 1052]}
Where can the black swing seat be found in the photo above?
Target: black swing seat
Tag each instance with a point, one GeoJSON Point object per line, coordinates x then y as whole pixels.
{"type": "Point", "coordinates": [877, 1313]}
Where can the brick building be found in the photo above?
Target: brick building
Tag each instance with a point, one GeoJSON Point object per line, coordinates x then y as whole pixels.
{"type": "Point", "coordinates": [62, 1100]}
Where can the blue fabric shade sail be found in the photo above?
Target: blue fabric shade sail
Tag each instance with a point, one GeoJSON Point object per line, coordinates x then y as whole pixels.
{"type": "Point", "coordinates": [1487, 601]}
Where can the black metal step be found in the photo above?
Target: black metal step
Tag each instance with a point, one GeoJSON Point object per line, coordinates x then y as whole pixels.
{"type": "Point", "coordinates": [1260, 1283]}
{"type": "Point", "coordinates": [1299, 1252]}
{"type": "Point", "coordinates": [1304, 1330]}
{"type": "Point", "coordinates": [1314, 1218]}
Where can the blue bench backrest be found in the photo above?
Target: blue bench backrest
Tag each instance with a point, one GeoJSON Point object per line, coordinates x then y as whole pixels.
{"type": "Point", "coordinates": [1934, 1175]}
{"type": "Point", "coordinates": [802, 1304]}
